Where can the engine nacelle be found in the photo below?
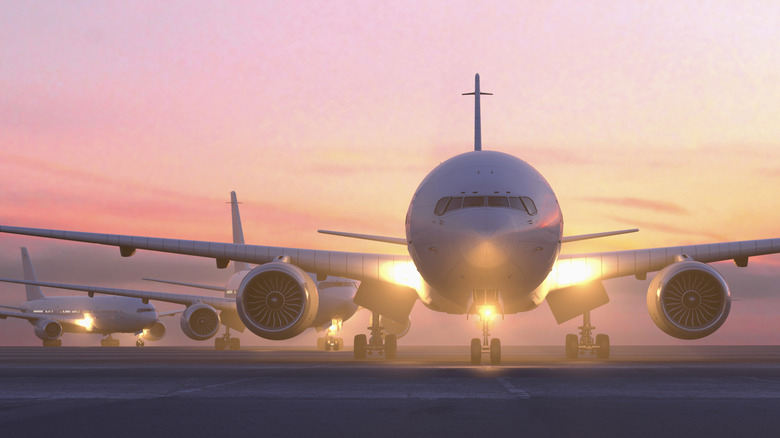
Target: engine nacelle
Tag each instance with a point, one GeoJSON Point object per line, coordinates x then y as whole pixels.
{"type": "Point", "coordinates": [688, 300]}
{"type": "Point", "coordinates": [200, 322]}
{"type": "Point", "coordinates": [155, 333]}
{"type": "Point", "coordinates": [48, 330]}
{"type": "Point", "coordinates": [277, 301]}
{"type": "Point", "coordinates": [393, 327]}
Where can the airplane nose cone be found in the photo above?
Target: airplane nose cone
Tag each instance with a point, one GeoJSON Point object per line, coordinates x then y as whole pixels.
{"type": "Point", "coordinates": [486, 245]}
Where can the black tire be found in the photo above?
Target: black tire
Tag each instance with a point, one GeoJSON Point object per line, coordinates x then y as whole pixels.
{"type": "Point", "coordinates": [476, 352]}
{"type": "Point", "coordinates": [360, 346]}
{"type": "Point", "coordinates": [339, 344]}
{"type": "Point", "coordinates": [234, 344]}
{"type": "Point", "coordinates": [391, 347]}
{"type": "Point", "coordinates": [327, 345]}
{"type": "Point", "coordinates": [219, 344]}
{"type": "Point", "coordinates": [321, 344]}
{"type": "Point", "coordinates": [602, 341]}
{"type": "Point", "coordinates": [572, 347]}
{"type": "Point", "coordinates": [495, 351]}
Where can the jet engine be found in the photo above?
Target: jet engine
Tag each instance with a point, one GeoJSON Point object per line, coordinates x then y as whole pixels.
{"type": "Point", "coordinates": [688, 300]}
{"type": "Point", "coordinates": [48, 330]}
{"type": "Point", "coordinates": [277, 300]}
{"type": "Point", "coordinates": [156, 332]}
{"type": "Point", "coordinates": [200, 322]}
{"type": "Point", "coordinates": [393, 327]}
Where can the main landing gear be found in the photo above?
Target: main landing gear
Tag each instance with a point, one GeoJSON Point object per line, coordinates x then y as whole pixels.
{"type": "Point", "coordinates": [108, 341]}
{"type": "Point", "coordinates": [53, 343]}
{"type": "Point", "coordinates": [378, 344]}
{"type": "Point", "coordinates": [485, 305]}
{"type": "Point", "coordinates": [585, 343]}
{"type": "Point", "coordinates": [226, 342]}
{"type": "Point", "coordinates": [139, 342]}
{"type": "Point", "coordinates": [331, 342]}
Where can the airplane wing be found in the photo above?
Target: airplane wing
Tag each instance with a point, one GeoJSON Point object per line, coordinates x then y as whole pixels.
{"type": "Point", "coordinates": [218, 303]}
{"type": "Point", "coordinates": [169, 313]}
{"type": "Point", "coordinates": [358, 266]}
{"type": "Point", "coordinates": [573, 269]}
{"type": "Point", "coordinates": [179, 283]}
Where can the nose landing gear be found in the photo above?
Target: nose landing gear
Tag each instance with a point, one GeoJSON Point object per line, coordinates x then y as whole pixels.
{"type": "Point", "coordinates": [331, 342]}
{"type": "Point", "coordinates": [485, 305]}
{"type": "Point", "coordinates": [585, 342]}
{"type": "Point", "coordinates": [378, 343]}
{"type": "Point", "coordinates": [226, 342]}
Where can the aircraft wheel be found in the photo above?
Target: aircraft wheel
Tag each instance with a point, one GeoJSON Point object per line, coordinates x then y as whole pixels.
{"type": "Point", "coordinates": [476, 352]}
{"type": "Point", "coordinates": [219, 344]}
{"type": "Point", "coordinates": [391, 347]}
{"type": "Point", "coordinates": [234, 344]}
{"type": "Point", "coordinates": [53, 343]}
{"type": "Point", "coordinates": [572, 347]}
{"type": "Point", "coordinates": [361, 342]}
{"type": "Point", "coordinates": [327, 345]}
{"type": "Point", "coordinates": [339, 344]}
{"type": "Point", "coordinates": [602, 341]}
{"type": "Point", "coordinates": [321, 344]}
{"type": "Point", "coordinates": [495, 351]}
{"type": "Point", "coordinates": [139, 343]}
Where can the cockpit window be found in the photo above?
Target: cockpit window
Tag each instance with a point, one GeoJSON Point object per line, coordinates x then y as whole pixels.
{"type": "Point", "coordinates": [473, 201]}
{"type": "Point", "coordinates": [441, 206]}
{"type": "Point", "coordinates": [530, 207]}
{"type": "Point", "coordinates": [497, 201]}
{"type": "Point", "coordinates": [450, 203]}
{"type": "Point", "coordinates": [455, 203]}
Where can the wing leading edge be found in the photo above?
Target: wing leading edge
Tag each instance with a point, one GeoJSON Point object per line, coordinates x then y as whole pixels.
{"type": "Point", "coordinates": [578, 268]}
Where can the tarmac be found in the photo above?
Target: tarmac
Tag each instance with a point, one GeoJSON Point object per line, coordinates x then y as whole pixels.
{"type": "Point", "coordinates": [427, 391]}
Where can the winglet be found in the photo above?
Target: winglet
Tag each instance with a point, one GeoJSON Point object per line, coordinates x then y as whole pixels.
{"type": "Point", "coordinates": [33, 292]}
{"type": "Point", "coordinates": [477, 113]}
{"type": "Point", "coordinates": [238, 230]}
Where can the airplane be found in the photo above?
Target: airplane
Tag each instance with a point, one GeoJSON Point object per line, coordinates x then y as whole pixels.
{"type": "Point", "coordinates": [53, 316]}
{"type": "Point", "coordinates": [200, 320]}
{"type": "Point", "coordinates": [484, 232]}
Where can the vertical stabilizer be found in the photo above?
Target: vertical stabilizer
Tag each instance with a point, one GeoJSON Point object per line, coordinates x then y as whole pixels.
{"type": "Point", "coordinates": [238, 230]}
{"type": "Point", "coordinates": [33, 292]}
{"type": "Point", "coordinates": [477, 113]}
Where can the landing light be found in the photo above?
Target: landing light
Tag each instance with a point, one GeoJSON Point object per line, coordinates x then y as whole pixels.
{"type": "Point", "coordinates": [87, 322]}
{"type": "Point", "coordinates": [486, 312]}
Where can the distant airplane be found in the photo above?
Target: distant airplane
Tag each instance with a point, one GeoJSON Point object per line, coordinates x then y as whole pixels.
{"type": "Point", "coordinates": [484, 232]}
{"type": "Point", "coordinates": [203, 315]}
{"type": "Point", "coordinates": [53, 316]}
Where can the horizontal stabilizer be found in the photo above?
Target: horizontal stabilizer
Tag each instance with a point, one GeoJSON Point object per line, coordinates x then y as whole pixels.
{"type": "Point", "coordinates": [12, 308]}
{"type": "Point", "coordinates": [568, 239]}
{"type": "Point", "coordinates": [178, 283]}
{"type": "Point", "coordinates": [394, 240]}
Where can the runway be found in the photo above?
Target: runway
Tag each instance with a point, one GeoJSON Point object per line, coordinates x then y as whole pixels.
{"type": "Point", "coordinates": [427, 391]}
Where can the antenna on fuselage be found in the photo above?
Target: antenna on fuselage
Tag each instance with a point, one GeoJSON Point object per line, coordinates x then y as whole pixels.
{"type": "Point", "coordinates": [477, 114]}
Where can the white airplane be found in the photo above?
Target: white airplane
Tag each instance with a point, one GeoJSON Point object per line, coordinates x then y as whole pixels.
{"type": "Point", "coordinates": [53, 316]}
{"type": "Point", "coordinates": [484, 232]}
{"type": "Point", "coordinates": [204, 314]}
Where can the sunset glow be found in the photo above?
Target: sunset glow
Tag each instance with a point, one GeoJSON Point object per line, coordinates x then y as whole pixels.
{"type": "Point", "coordinates": [140, 118]}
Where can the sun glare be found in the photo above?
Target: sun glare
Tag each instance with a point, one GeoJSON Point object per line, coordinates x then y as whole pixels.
{"type": "Point", "coordinates": [571, 272]}
{"type": "Point", "coordinates": [87, 322]}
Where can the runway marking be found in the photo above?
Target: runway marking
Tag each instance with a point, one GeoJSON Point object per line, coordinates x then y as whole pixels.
{"type": "Point", "coordinates": [201, 388]}
{"type": "Point", "coordinates": [519, 393]}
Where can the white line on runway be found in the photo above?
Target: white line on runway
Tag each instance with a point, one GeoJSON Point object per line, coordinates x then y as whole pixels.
{"type": "Point", "coordinates": [519, 393]}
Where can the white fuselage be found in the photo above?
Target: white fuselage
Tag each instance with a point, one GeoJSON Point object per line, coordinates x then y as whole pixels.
{"type": "Point", "coordinates": [485, 240]}
{"type": "Point", "coordinates": [108, 314]}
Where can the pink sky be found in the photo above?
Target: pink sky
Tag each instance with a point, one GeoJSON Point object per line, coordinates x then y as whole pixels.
{"type": "Point", "coordinates": [141, 118]}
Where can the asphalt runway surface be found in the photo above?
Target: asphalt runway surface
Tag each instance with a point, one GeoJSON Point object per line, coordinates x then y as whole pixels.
{"type": "Point", "coordinates": [428, 391]}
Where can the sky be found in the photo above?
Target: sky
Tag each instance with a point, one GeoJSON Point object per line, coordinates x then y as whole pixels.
{"type": "Point", "coordinates": [140, 117]}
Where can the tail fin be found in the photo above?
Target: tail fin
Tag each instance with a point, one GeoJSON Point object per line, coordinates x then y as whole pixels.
{"type": "Point", "coordinates": [477, 113]}
{"type": "Point", "coordinates": [238, 230]}
{"type": "Point", "coordinates": [33, 292]}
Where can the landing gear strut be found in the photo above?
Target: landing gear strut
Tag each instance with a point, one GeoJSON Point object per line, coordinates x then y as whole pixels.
{"type": "Point", "coordinates": [585, 342]}
{"type": "Point", "coordinates": [108, 341]}
{"type": "Point", "coordinates": [227, 342]}
{"type": "Point", "coordinates": [331, 342]}
{"type": "Point", "coordinates": [378, 344]}
{"type": "Point", "coordinates": [485, 304]}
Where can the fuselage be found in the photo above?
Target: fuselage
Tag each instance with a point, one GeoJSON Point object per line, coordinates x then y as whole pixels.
{"type": "Point", "coordinates": [100, 314]}
{"type": "Point", "coordinates": [483, 220]}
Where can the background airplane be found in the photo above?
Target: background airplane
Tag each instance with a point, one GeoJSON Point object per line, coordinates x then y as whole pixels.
{"type": "Point", "coordinates": [53, 316]}
{"type": "Point", "coordinates": [484, 232]}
